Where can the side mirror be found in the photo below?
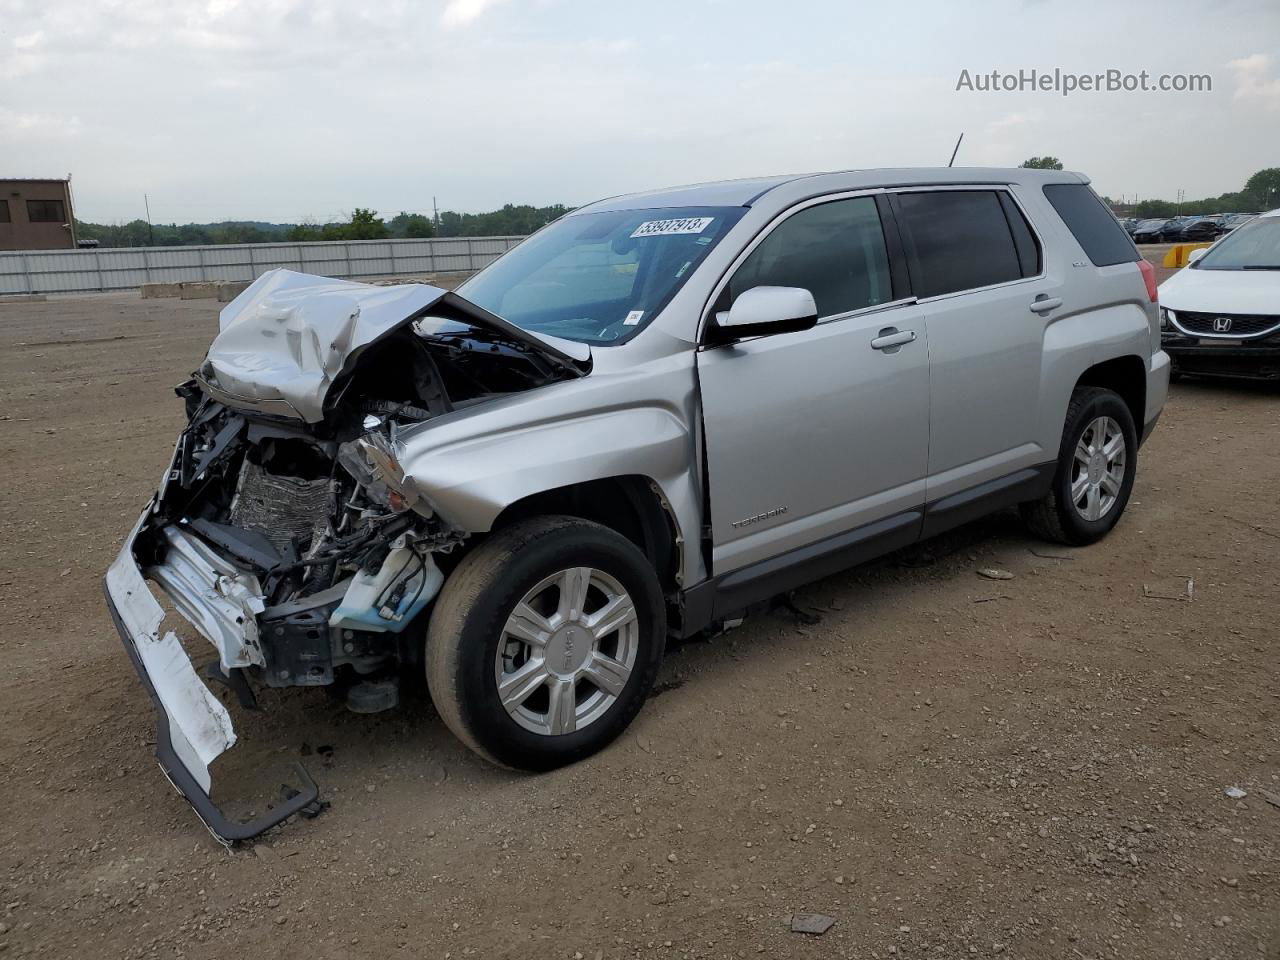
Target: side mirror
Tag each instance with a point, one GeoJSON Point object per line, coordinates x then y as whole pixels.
{"type": "Point", "coordinates": [1195, 255]}
{"type": "Point", "coordinates": [761, 311]}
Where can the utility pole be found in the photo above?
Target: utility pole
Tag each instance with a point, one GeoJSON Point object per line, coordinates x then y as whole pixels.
{"type": "Point", "coordinates": [435, 213]}
{"type": "Point", "coordinates": [151, 231]}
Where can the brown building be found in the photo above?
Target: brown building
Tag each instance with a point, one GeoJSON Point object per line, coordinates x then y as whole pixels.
{"type": "Point", "coordinates": [36, 215]}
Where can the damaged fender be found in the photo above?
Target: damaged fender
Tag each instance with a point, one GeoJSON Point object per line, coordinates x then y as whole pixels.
{"type": "Point", "coordinates": [472, 479]}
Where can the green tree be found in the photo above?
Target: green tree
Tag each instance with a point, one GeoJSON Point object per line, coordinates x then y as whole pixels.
{"type": "Point", "coordinates": [1041, 163]}
{"type": "Point", "coordinates": [1263, 189]}
{"type": "Point", "coordinates": [510, 220]}
{"type": "Point", "coordinates": [1151, 209]}
{"type": "Point", "coordinates": [366, 225]}
{"type": "Point", "coordinates": [411, 225]}
{"type": "Point", "coordinates": [305, 233]}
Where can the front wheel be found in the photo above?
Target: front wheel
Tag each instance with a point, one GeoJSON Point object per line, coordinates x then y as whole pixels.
{"type": "Point", "coordinates": [1097, 462]}
{"type": "Point", "coordinates": [545, 641]}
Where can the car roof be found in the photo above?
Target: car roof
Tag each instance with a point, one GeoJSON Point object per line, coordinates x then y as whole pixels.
{"type": "Point", "coordinates": [745, 193]}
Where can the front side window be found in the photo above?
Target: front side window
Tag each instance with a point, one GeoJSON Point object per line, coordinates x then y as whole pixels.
{"type": "Point", "coordinates": [834, 250]}
{"type": "Point", "coordinates": [959, 240]}
{"type": "Point", "coordinates": [45, 211]}
{"type": "Point", "coordinates": [1251, 246]}
{"type": "Point", "coordinates": [600, 277]}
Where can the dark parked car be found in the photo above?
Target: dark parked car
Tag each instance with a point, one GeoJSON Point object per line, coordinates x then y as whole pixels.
{"type": "Point", "coordinates": [1202, 228]}
{"type": "Point", "coordinates": [1171, 232]}
{"type": "Point", "coordinates": [1148, 231]}
{"type": "Point", "coordinates": [1236, 219]}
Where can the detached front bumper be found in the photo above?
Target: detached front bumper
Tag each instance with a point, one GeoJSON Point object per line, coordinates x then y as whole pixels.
{"type": "Point", "coordinates": [193, 727]}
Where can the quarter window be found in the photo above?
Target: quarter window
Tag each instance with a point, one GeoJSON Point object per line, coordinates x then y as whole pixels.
{"type": "Point", "coordinates": [834, 250]}
{"type": "Point", "coordinates": [45, 211]}
{"type": "Point", "coordinates": [1023, 239]}
{"type": "Point", "coordinates": [962, 239]}
{"type": "Point", "coordinates": [1104, 241]}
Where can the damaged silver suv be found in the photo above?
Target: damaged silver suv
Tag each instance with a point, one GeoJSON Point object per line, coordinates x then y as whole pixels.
{"type": "Point", "coordinates": [646, 419]}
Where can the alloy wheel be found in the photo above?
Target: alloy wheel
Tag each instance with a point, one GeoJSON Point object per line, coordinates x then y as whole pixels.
{"type": "Point", "coordinates": [1097, 469]}
{"type": "Point", "coordinates": [567, 651]}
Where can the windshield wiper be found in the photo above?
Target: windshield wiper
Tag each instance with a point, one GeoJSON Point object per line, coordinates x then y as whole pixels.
{"type": "Point", "coordinates": [1261, 266]}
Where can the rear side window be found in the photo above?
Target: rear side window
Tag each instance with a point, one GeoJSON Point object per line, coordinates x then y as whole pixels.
{"type": "Point", "coordinates": [1091, 223]}
{"type": "Point", "coordinates": [834, 250]}
{"type": "Point", "coordinates": [962, 239]}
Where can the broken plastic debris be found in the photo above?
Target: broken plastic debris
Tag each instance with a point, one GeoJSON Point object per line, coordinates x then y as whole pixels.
{"type": "Point", "coordinates": [993, 574]}
{"type": "Point", "coordinates": [815, 923]}
{"type": "Point", "coordinates": [1171, 590]}
{"type": "Point", "coordinates": [1235, 793]}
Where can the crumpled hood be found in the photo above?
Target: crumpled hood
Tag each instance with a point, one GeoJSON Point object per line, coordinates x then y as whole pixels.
{"type": "Point", "coordinates": [285, 340]}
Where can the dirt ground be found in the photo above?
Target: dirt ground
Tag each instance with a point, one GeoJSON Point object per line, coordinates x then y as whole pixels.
{"type": "Point", "coordinates": [947, 765]}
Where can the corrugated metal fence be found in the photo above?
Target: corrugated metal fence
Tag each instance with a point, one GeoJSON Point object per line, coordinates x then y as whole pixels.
{"type": "Point", "coordinates": [80, 271]}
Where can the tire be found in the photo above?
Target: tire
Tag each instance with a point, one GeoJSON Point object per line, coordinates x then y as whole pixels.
{"type": "Point", "coordinates": [470, 646]}
{"type": "Point", "coordinates": [1057, 516]}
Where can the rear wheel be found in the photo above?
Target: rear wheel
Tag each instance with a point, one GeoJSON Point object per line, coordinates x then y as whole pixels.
{"type": "Point", "coordinates": [545, 642]}
{"type": "Point", "coordinates": [1097, 462]}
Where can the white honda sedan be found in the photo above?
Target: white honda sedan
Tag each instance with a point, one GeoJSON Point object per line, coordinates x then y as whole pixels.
{"type": "Point", "coordinates": [1220, 316]}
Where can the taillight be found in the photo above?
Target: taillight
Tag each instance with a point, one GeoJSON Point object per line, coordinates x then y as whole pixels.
{"type": "Point", "coordinates": [1149, 278]}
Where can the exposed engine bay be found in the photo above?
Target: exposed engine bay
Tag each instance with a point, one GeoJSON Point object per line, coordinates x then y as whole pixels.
{"type": "Point", "coordinates": [285, 529]}
{"type": "Point", "coordinates": [327, 544]}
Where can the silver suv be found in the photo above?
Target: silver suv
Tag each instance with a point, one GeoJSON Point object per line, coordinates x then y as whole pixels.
{"type": "Point", "coordinates": [649, 417]}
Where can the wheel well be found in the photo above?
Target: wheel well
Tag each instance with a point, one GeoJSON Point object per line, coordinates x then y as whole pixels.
{"type": "Point", "coordinates": [1126, 376]}
{"type": "Point", "coordinates": [628, 505]}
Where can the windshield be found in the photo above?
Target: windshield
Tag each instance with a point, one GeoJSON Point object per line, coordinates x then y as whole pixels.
{"type": "Point", "coordinates": [599, 278]}
{"type": "Point", "coordinates": [1251, 246]}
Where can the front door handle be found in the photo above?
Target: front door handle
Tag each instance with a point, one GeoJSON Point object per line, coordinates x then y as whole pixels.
{"type": "Point", "coordinates": [892, 337]}
{"type": "Point", "coordinates": [1043, 304]}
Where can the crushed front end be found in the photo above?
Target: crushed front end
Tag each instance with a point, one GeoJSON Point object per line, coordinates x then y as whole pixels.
{"type": "Point", "coordinates": [285, 530]}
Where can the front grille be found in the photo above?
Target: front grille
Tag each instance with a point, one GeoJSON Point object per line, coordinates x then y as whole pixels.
{"type": "Point", "coordinates": [1242, 324]}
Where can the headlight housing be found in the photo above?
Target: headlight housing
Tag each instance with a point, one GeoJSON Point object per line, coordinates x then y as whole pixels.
{"type": "Point", "coordinates": [372, 462]}
{"type": "Point", "coordinates": [1166, 318]}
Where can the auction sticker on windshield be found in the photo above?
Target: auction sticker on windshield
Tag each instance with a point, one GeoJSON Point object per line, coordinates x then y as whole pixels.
{"type": "Point", "coordinates": [660, 228]}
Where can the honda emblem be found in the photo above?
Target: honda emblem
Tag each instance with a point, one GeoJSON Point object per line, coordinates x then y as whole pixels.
{"type": "Point", "coordinates": [1222, 325]}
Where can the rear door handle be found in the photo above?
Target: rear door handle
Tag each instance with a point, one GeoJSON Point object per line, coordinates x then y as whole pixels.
{"type": "Point", "coordinates": [891, 337]}
{"type": "Point", "coordinates": [1043, 304]}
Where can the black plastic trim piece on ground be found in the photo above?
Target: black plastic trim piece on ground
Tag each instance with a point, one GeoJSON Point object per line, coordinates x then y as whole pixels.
{"type": "Point", "coordinates": [223, 829]}
{"type": "Point", "coordinates": [732, 593]}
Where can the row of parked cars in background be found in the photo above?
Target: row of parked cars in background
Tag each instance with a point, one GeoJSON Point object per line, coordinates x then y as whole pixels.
{"type": "Point", "coordinates": [1192, 229]}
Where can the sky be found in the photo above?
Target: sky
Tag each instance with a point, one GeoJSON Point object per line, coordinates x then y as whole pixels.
{"type": "Point", "coordinates": [290, 110]}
